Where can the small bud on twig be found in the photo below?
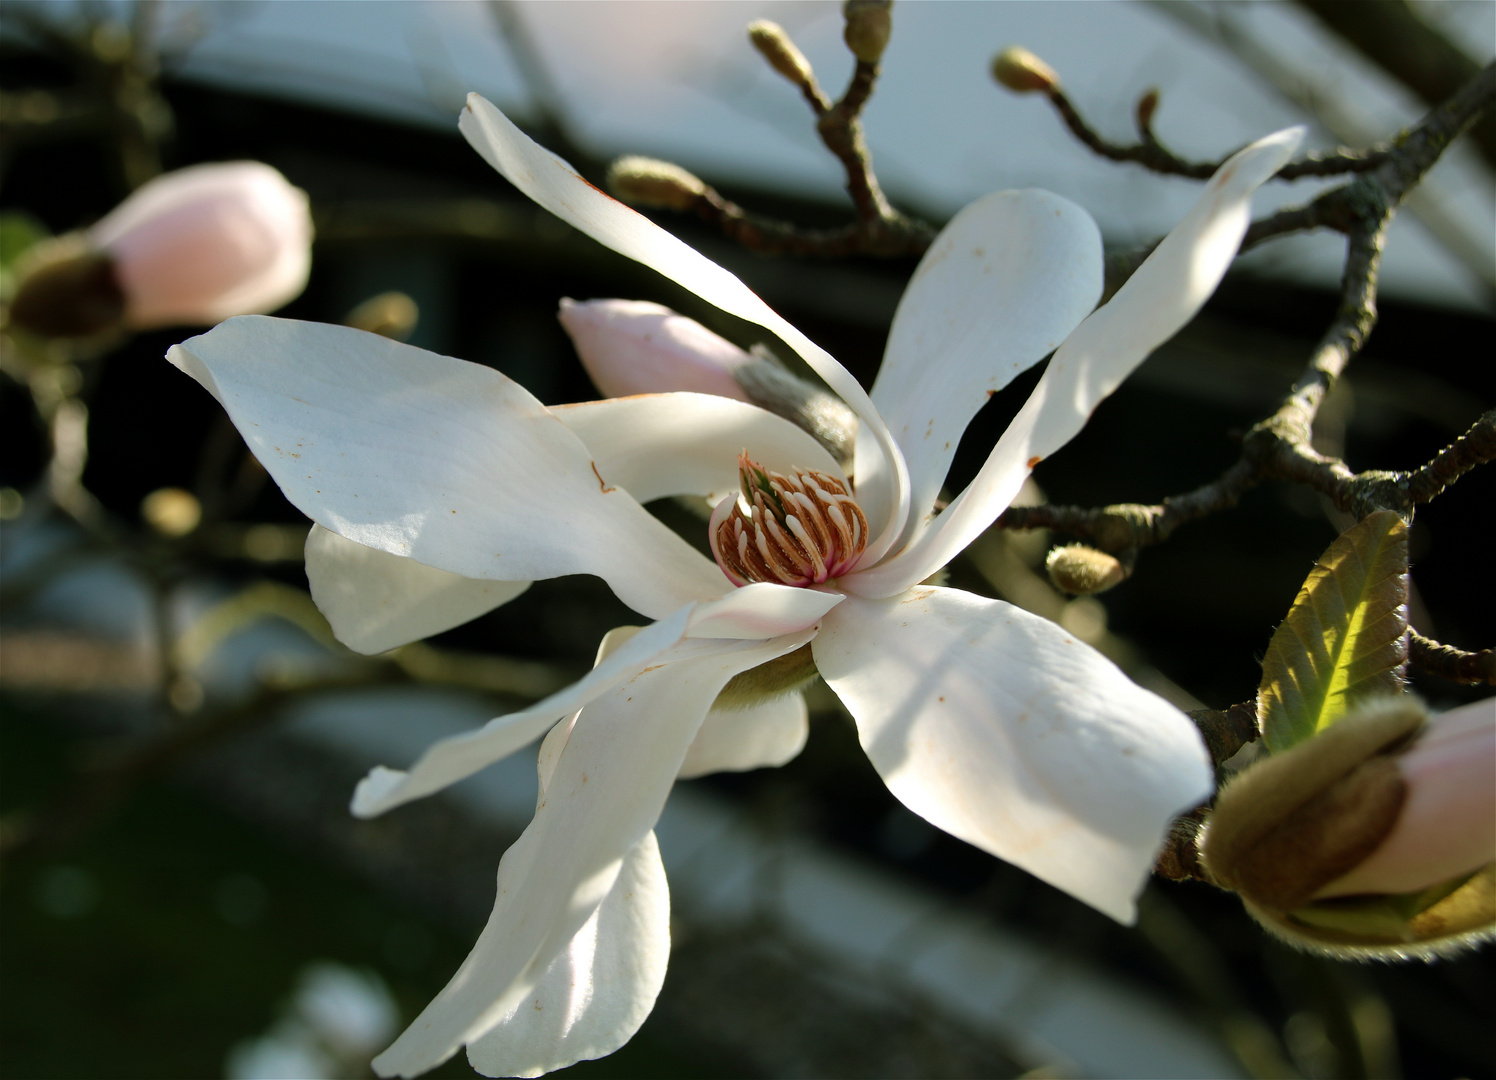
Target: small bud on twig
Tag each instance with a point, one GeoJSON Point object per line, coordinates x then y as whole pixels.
{"type": "Point", "coordinates": [171, 511]}
{"type": "Point", "coordinates": [869, 24]}
{"type": "Point", "coordinates": [392, 314]}
{"type": "Point", "coordinates": [646, 182]}
{"type": "Point", "coordinates": [783, 55]}
{"type": "Point", "coordinates": [1143, 112]}
{"type": "Point", "coordinates": [67, 290]}
{"type": "Point", "coordinates": [1081, 570]}
{"type": "Point", "coordinates": [1023, 72]}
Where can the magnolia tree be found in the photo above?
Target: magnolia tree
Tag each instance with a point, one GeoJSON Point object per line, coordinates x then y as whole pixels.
{"type": "Point", "coordinates": [1347, 817]}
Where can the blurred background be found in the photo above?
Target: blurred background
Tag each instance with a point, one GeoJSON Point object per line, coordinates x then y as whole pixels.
{"type": "Point", "coordinates": [182, 892]}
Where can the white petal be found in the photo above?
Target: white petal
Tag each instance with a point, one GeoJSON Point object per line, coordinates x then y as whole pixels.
{"type": "Point", "coordinates": [605, 793]}
{"type": "Point", "coordinates": [449, 463]}
{"type": "Point", "coordinates": [596, 993]}
{"type": "Point", "coordinates": [781, 610]}
{"type": "Point", "coordinates": [553, 184]}
{"type": "Point", "coordinates": [1000, 728]}
{"type": "Point", "coordinates": [376, 601]}
{"type": "Point", "coordinates": [1164, 294]}
{"type": "Point", "coordinates": [1002, 285]}
{"type": "Point", "coordinates": [654, 445]}
{"type": "Point", "coordinates": [734, 740]}
{"type": "Point", "coordinates": [760, 610]}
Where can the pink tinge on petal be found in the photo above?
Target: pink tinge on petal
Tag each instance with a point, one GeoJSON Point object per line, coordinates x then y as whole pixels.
{"type": "Point", "coordinates": [1448, 823]}
{"type": "Point", "coordinates": [635, 347]}
{"type": "Point", "coordinates": [203, 244]}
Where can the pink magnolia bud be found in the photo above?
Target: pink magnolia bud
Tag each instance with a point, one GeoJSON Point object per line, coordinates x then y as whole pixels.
{"type": "Point", "coordinates": [635, 347]}
{"type": "Point", "coordinates": [204, 243]}
{"type": "Point", "coordinates": [1447, 826]}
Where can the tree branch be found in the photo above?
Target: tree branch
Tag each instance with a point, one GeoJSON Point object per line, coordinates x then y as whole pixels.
{"type": "Point", "coordinates": [1154, 156]}
{"type": "Point", "coordinates": [878, 230]}
{"type": "Point", "coordinates": [1476, 447]}
{"type": "Point", "coordinates": [1447, 662]}
{"type": "Point", "coordinates": [1278, 447]}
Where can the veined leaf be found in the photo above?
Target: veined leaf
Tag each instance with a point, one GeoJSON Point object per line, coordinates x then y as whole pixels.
{"type": "Point", "coordinates": [1345, 636]}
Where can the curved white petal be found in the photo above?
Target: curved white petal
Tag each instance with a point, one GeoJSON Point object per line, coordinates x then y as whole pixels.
{"type": "Point", "coordinates": [376, 601]}
{"type": "Point", "coordinates": [760, 610]}
{"type": "Point", "coordinates": [654, 445]}
{"type": "Point", "coordinates": [1164, 294]}
{"type": "Point", "coordinates": [997, 291]}
{"type": "Point", "coordinates": [602, 986]}
{"type": "Point", "coordinates": [753, 613]}
{"type": "Point", "coordinates": [735, 740]}
{"type": "Point", "coordinates": [609, 783]}
{"type": "Point", "coordinates": [450, 463]}
{"type": "Point", "coordinates": [1003, 730]}
{"type": "Point", "coordinates": [553, 184]}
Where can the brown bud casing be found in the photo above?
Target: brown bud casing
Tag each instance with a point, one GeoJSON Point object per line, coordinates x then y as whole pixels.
{"type": "Point", "coordinates": [1023, 72]}
{"type": "Point", "coordinates": [1081, 570]}
{"type": "Point", "coordinates": [646, 182]}
{"type": "Point", "coordinates": [869, 26]}
{"type": "Point", "coordinates": [68, 290]}
{"type": "Point", "coordinates": [1297, 820]}
{"type": "Point", "coordinates": [1293, 823]}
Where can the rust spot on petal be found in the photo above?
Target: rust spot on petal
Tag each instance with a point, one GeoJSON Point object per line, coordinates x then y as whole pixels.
{"type": "Point", "coordinates": [1034, 461]}
{"type": "Point", "coordinates": [600, 481]}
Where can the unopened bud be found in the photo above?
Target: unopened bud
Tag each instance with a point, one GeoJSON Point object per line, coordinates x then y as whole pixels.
{"type": "Point", "coordinates": [1293, 822]}
{"type": "Point", "coordinates": [869, 24]}
{"type": "Point", "coordinates": [1447, 827]}
{"type": "Point", "coordinates": [1023, 72]}
{"type": "Point", "coordinates": [1147, 105]}
{"type": "Point", "coordinates": [171, 511]}
{"type": "Point", "coordinates": [646, 182]}
{"type": "Point", "coordinates": [1310, 836]}
{"type": "Point", "coordinates": [1081, 570]}
{"type": "Point", "coordinates": [393, 315]}
{"type": "Point", "coordinates": [783, 55]}
{"type": "Point", "coordinates": [201, 244]}
{"type": "Point", "coordinates": [67, 290]}
{"type": "Point", "coordinates": [634, 347]}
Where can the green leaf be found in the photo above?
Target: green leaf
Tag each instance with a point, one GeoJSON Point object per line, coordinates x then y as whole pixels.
{"type": "Point", "coordinates": [1345, 636]}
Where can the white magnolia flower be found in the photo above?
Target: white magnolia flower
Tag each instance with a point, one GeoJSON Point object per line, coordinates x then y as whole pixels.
{"type": "Point", "coordinates": [440, 489]}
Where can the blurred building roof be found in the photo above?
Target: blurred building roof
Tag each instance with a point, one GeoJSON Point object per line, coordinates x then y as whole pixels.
{"type": "Point", "coordinates": [679, 81]}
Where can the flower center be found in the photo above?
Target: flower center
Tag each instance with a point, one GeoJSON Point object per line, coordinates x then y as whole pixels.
{"type": "Point", "coordinates": [791, 530]}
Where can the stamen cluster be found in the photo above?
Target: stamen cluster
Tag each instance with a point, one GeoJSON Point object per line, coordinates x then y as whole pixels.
{"type": "Point", "coordinates": [799, 530]}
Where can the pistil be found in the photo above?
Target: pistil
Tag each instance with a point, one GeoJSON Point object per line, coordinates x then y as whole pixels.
{"type": "Point", "coordinates": [802, 529]}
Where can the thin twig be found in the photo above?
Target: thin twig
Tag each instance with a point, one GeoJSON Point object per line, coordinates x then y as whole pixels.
{"type": "Point", "coordinates": [1226, 731]}
{"type": "Point", "coordinates": [1154, 156]}
{"type": "Point", "coordinates": [879, 229]}
{"type": "Point", "coordinates": [774, 236]}
{"type": "Point", "coordinates": [1476, 447]}
{"type": "Point", "coordinates": [1447, 662]}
